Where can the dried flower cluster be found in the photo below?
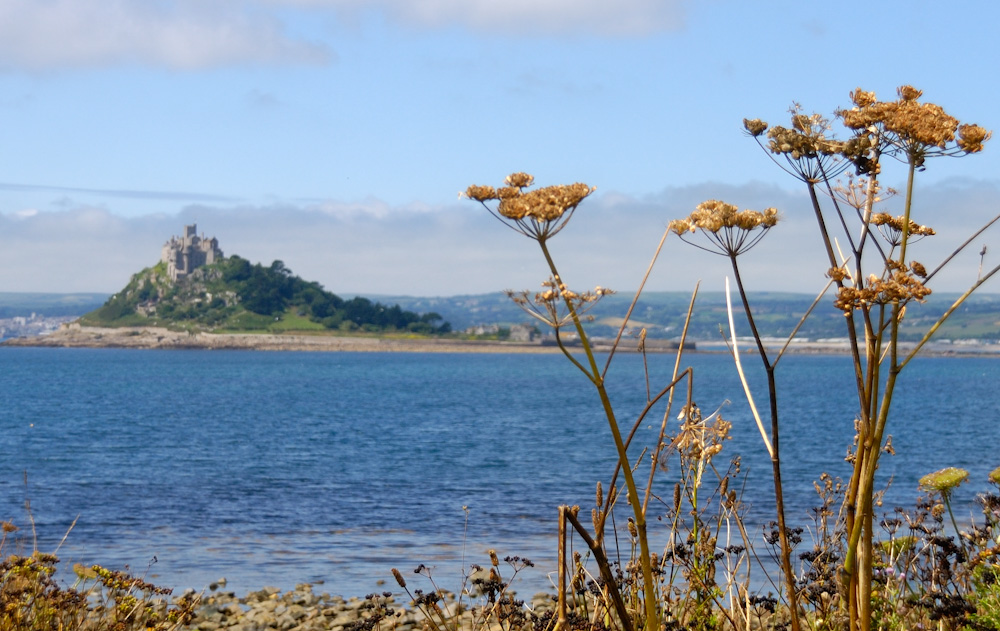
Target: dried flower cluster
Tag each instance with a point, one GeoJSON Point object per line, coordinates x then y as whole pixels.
{"type": "Point", "coordinates": [892, 228]}
{"type": "Point", "coordinates": [906, 125]}
{"type": "Point", "coordinates": [731, 230]}
{"type": "Point", "coordinates": [549, 305]}
{"type": "Point", "coordinates": [539, 213]}
{"type": "Point", "coordinates": [700, 439]}
{"type": "Point", "coordinates": [901, 287]}
{"type": "Point", "coordinates": [810, 153]}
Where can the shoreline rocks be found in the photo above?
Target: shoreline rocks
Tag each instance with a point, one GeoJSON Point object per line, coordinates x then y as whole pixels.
{"type": "Point", "coordinates": [304, 610]}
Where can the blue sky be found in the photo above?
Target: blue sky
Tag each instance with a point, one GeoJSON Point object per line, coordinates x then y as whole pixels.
{"type": "Point", "coordinates": [335, 135]}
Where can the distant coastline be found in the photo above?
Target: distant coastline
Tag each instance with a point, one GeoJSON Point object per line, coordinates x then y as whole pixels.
{"type": "Point", "coordinates": [74, 335]}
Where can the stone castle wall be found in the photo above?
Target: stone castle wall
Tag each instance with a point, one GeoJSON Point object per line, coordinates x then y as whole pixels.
{"type": "Point", "coordinates": [187, 253]}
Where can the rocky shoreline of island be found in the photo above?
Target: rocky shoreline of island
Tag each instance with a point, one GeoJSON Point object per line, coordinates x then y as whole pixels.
{"type": "Point", "coordinates": [77, 336]}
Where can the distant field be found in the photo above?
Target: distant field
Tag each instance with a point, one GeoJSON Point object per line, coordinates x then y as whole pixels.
{"type": "Point", "coordinates": [661, 313]}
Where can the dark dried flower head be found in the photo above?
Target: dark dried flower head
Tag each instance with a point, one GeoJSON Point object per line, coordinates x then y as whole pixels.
{"type": "Point", "coordinates": [399, 578]}
{"type": "Point", "coordinates": [755, 127]}
{"type": "Point", "coordinates": [810, 152]}
{"type": "Point", "coordinates": [918, 269]}
{"type": "Point", "coordinates": [8, 526]}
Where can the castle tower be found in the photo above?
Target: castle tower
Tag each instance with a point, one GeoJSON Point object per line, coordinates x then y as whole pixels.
{"type": "Point", "coordinates": [185, 254]}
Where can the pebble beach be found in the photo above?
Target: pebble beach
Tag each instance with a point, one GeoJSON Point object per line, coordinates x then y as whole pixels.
{"type": "Point", "coordinates": [307, 609]}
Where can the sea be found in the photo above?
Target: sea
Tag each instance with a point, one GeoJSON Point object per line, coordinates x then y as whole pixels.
{"type": "Point", "coordinates": [281, 468]}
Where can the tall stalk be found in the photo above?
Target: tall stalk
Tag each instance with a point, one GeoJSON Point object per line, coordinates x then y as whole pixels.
{"type": "Point", "coordinates": [914, 132]}
{"type": "Point", "coordinates": [597, 378]}
{"type": "Point", "coordinates": [775, 452]}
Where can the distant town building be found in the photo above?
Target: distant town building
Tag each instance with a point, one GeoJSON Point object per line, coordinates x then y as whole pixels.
{"type": "Point", "coordinates": [187, 253]}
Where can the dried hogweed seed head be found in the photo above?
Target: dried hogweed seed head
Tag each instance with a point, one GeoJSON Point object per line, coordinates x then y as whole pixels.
{"type": "Point", "coordinates": [837, 273]}
{"type": "Point", "coordinates": [755, 127]}
{"type": "Point", "coordinates": [481, 193]}
{"type": "Point", "coordinates": [494, 560]}
{"type": "Point", "coordinates": [944, 480]}
{"type": "Point", "coordinates": [680, 227]}
{"type": "Point", "coordinates": [861, 98]}
{"type": "Point", "coordinates": [909, 93]}
{"type": "Point", "coordinates": [972, 137]}
{"type": "Point", "coordinates": [519, 180]}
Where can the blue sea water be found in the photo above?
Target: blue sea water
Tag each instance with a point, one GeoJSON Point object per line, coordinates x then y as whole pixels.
{"type": "Point", "coordinates": [275, 468]}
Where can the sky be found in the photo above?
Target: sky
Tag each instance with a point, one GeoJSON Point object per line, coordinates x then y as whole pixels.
{"type": "Point", "coordinates": [336, 135]}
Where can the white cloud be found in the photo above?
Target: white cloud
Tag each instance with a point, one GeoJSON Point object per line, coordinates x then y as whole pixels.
{"type": "Point", "coordinates": [178, 34]}
{"type": "Point", "coordinates": [373, 247]}
{"type": "Point", "coordinates": [525, 17]}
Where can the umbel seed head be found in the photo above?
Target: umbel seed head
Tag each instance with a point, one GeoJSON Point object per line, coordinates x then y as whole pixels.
{"type": "Point", "coordinates": [944, 480]}
{"type": "Point", "coordinates": [539, 213]}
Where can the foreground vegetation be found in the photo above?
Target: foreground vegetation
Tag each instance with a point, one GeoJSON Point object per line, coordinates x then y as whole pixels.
{"type": "Point", "coordinates": [875, 280]}
{"type": "Point", "coordinates": [235, 295]}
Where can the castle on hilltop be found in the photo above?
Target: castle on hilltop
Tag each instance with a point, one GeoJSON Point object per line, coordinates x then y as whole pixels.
{"type": "Point", "coordinates": [185, 254]}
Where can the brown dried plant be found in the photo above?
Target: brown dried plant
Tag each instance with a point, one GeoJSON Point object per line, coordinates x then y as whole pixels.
{"type": "Point", "coordinates": [873, 291]}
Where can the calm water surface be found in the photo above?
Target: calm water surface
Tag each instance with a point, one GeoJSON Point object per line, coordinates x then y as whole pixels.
{"type": "Point", "coordinates": [278, 468]}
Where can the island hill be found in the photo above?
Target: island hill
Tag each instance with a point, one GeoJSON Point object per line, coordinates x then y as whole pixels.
{"type": "Point", "coordinates": [196, 297]}
{"type": "Point", "coordinates": [196, 288]}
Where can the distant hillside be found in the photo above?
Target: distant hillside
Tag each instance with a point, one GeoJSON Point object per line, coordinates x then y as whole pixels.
{"type": "Point", "coordinates": [662, 314]}
{"type": "Point", "coordinates": [23, 304]}
{"type": "Point", "coordinates": [235, 295]}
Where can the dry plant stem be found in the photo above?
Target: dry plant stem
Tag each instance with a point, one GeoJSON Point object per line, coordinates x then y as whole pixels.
{"type": "Point", "coordinates": [930, 332]}
{"type": "Point", "coordinates": [669, 389]}
{"type": "Point", "coordinates": [802, 321]}
{"type": "Point", "coordinates": [650, 403]}
{"type": "Point", "coordinates": [670, 400]}
{"type": "Point", "coordinates": [649, 588]}
{"type": "Point", "coordinates": [779, 499]}
{"type": "Point", "coordinates": [828, 244]}
{"type": "Point", "coordinates": [605, 568]}
{"type": "Point", "coordinates": [631, 307]}
{"type": "Point", "coordinates": [561, 621]}
{"type": "Point", "coordinates": [962, 247]}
